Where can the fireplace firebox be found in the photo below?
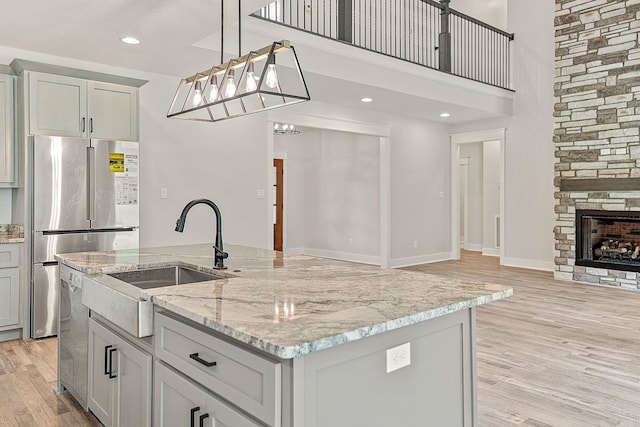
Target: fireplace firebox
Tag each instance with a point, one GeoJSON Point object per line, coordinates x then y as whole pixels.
{"type": "Point", "coordinates": [608, 239]}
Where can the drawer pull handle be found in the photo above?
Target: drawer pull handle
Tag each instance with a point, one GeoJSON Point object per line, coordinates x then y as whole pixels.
{"type": "Point", "coordinates": [106, 359]}
{"type": "Point", "coordinates": [202, 418]}
{"type": "Point", "coordinates": [111, 374]}
{"type": "Point", "coordinates": [193, 413]}
{"type": "Point", "coordinates": [195, 357]}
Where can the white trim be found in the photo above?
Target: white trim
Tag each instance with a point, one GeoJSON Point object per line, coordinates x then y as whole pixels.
{"type": "Point", "coordinates": [455, 201]}
{"type": "Point", "coordinates": [479, 136]}
{"type": "Point", "coordinates": [342, 256]}
{"type": "Point", "coordinates": [422, 259]}
{"type": "Point", "coordinates": [269, 190]}
{"type": "Point", "coordinates": [491, 252]}
{"type": "Point", "coordinates": [385, 201]}
{"type": "Point", "coordinates": [293, 251]}
{"type": "Point", "coordinates": [531, 264]}
{"type": "Point", "coordinates": [476, 247]}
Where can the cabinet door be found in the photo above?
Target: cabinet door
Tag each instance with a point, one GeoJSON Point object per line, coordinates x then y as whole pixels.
{"type": "Point", "coordinates": [176, 400]}
{"type": "Point", "coordinates": [9, 296]}
{"type": "Point", "coordinates": [102, 358]}
{"type": "Point", "coordinates": [7, 159]}
{"type": "Point", "coordinates": [113, 111]}
{"type": "Point", "coordinates": [57, 105]}
{"type": "Point", "coordinates": [133, 386]}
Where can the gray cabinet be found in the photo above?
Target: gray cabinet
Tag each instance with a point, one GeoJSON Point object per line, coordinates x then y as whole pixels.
{"type": "Point", "coordinates": [179, 401]}
{"type": "Point", "coordinates": [9, 285]}
{"type": "Point", "coordinates": [119, 379]}
{"type": "Point", "coordinates": [69, 106]}
{"type": "Point", "coordinates": [7, 144]}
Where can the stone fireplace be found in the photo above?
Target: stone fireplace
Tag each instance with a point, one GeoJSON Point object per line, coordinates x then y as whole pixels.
{"type": "Point", "coordinates": [597, 142]}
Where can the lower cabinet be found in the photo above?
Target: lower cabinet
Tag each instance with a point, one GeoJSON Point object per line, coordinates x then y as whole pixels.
{"type": "Point", "coordinates": [119, 379]}
{"type": "Point", "coordinates": [9, 286]}
{"type": "Point", "coordinates": [178, 401]}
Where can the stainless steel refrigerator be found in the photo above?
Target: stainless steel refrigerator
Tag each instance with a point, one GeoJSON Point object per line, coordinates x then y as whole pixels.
{"type": "Point", "coordinates": [84, 197]}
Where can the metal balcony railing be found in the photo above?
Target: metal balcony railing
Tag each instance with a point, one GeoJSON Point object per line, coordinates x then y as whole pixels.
{"type": "Point", "coordinates": [423, 32]}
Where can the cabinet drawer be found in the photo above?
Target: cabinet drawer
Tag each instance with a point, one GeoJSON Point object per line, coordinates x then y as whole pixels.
{"type": "Point", "coordinates": [251, 382]}
{"type": "Point", "coordinates": [9, 255]}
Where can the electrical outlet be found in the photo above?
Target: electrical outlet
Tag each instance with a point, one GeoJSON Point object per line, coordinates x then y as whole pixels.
{"type": "Point", "coordinates": [259, 193]}
{"type": "Point", "coordinates": [415, 244]}
{"type": "Point", "coordinates": [163, 193]}
{"type": "Point", "coordinates": [441, 194]}
{"type": "Point", "coordinates": [398, 357]}
{"type": "Point", "coordinates": [350, 241]}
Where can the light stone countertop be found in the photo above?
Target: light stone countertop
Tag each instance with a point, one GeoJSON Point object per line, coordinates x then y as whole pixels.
{"type": "Point", "coordinates": [12, 234]}
{"type": "Point", "coordinates": [289, 306]}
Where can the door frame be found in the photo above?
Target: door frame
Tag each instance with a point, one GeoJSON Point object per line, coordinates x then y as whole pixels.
{"type": "Point", "coordinates": [464, 161]}
{"type": "Point", "coordinates": [282, 155]}
{"type": "Point", "coordinates": [456, 140]}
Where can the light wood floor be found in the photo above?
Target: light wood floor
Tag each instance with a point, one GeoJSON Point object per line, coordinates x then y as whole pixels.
{"type": "Point", "coordinates": [555, 354]}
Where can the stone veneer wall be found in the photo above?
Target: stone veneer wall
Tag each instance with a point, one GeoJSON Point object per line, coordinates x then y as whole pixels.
{"type": "Point", "coordinates": [597, 120]}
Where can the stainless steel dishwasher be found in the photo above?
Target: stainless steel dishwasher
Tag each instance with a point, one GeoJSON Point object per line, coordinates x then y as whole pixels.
{"type": "Point", "coordinates": [73, 335]}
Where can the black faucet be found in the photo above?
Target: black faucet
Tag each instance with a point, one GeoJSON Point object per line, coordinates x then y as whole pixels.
{"type": "Point", "coordinates": [220, 254]}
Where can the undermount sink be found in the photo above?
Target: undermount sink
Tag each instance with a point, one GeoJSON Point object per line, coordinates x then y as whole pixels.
{"type": "Point", "coordinates": [163, 276]}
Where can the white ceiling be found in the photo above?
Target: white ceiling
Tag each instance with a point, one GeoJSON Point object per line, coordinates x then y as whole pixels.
{"type": "Point", "coordinates": [172, 34]}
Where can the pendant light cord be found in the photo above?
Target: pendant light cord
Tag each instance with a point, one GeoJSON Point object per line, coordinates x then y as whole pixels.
{"type": "Point", "coordinates": [239, 28]}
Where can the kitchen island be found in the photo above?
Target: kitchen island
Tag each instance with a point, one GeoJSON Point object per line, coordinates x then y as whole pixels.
{"type": "Point", "coordinates": [299, 341]}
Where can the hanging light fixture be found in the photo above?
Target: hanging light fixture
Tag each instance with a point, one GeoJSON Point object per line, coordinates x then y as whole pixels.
{"type": "Point", "coordinates": [248, 84]}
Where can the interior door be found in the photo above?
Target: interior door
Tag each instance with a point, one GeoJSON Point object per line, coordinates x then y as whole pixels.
{"type": "Point", "coordinates": [278, 204]}
{"type": "Point", "coordinates": [60, 183]}
{"type": "Point", "coordinates": [114, 192]}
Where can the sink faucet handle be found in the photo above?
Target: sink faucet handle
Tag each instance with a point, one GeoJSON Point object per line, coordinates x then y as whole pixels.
{"type": "Point", "coordinates": [220, 252]}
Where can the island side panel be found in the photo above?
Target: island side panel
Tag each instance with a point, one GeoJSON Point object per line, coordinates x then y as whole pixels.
{"type": "Point", "coordinates": [349, 385]}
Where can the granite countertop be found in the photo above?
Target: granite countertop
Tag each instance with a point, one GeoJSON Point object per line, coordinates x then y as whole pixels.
{"type": "Point", "coordinates": [289, 306]}
{"type": "Point", "coordinates": [11, 234]}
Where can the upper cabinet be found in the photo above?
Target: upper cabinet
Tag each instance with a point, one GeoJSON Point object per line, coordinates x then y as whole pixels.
{"type": "Point", "coordinates": [7, 146]}
{"type": "Point", "coordinates": [69, 106]}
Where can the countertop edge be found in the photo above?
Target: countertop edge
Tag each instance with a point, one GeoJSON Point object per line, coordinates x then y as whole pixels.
{"type": "Point", "coordinates": [299, 350]}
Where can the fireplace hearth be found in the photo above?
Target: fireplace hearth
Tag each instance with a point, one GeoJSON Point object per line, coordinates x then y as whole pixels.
{"type": "Point", "coordinates": [608, 239]}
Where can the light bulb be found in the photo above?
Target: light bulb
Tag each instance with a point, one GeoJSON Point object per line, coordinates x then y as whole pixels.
{"type": "Point", "coordinates": [251, 84]}
{"type": "Point", "coordinates": [197, 94]}
{"type": "Point", "coordinates": [276, 126]}
{"type": "Point", "coordinates": [272, 77]}
{"type": "Point", "coordinates": [230, 90]}
{"type": "Point", "coordinates": [213, 94]}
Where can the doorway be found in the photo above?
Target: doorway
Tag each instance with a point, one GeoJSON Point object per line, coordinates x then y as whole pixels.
{"type": "Point", "coordinates": [278, 203]}
{"type": "Point", "coordinates": [488, 232]}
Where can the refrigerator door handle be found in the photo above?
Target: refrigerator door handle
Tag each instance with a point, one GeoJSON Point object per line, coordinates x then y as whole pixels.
{"type": "Point", "coordinates": [91, 181]}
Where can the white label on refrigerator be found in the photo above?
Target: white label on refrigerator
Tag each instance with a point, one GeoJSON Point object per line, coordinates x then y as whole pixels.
{"type": "Point", "coordinates": [126, 190]}
{"type": "Point", "coordinates": [131, 163]}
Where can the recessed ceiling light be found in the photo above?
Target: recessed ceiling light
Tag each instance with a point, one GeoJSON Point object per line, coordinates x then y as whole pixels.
{"type": "Point", "coordinates": [445, 115]}
{"type": "Point", "coordinates": [366, 100]}
{"type": "Point", "coordinates": [130, 40]}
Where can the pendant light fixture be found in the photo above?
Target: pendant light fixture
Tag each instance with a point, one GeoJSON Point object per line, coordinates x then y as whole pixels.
{"type": "Point", "coordinates": [260, 80]}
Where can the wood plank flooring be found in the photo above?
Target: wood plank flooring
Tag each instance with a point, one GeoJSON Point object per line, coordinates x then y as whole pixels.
{"type": "Point", "coordinates": [555, 353]}
{"type": "Point", "coordinates": [27, 383]}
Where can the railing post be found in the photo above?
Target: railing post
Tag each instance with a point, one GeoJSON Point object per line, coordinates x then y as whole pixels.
{"type": "Point", "coordinates": [345, 18]}
{"type": "Point", "coordinates": [444, 38]}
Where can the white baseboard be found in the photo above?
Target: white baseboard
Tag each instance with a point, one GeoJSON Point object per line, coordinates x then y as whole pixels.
{"type": "Point", "coordinates": [343, 256]}
{"type": "Point", "coordinates": [531, 264]}
{"type": "Point", "coordinates": [477, 247]}
{"type": "Point", "coordinates": [422, 259]}
{"type": "Point", "coordinates": [491, 251]}
{"type": "Point", "coordinates": [294, 251]}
